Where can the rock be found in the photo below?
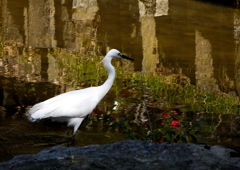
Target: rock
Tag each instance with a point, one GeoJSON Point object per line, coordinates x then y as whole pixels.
{"type": "Point", "coordinates": [129, 155]}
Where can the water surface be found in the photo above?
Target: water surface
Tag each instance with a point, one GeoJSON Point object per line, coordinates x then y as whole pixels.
{"type": "Point", "coordinates": [193, 39]}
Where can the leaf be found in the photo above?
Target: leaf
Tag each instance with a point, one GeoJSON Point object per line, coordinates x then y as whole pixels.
{"type": "Point", "coordinates": [123, 119]}
{"type": "Point", "coordinates": [115, 125]}
{"type": "Point", "coordinates": [128, 134]}
{"type": "Point", "coordinates": [166, 125]}
{"type": "Point", "coordinates": [186, 133]}
{"type": "Point", "coordinates": [110, 119]}
{"type": "Point", "coordinates": [183, 139]}
{"type": "Point", "coordinates": [170, 136]}
{"type": "Point", "coordinates": [177, 138]}
{"type": "Point", "coordinates": [144, 138]}
{"type": "Point", "coordinates": [186, 124]}
{"type": "Point", "coordinates": [194, 139]}
{"type": "Point", "coordinates": [165, 140]}
{"type": "Point", "coordinates": [198, 123]}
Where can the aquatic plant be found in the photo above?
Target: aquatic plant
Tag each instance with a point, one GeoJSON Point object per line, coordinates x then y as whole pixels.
{"type": "Point", "coordinates": [163, 91]}
{"type": "Point", "coordinates": [171, 127]}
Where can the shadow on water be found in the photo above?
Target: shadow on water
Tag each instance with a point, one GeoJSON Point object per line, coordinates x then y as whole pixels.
{"type": "Point", "coordinates": [188, 50]}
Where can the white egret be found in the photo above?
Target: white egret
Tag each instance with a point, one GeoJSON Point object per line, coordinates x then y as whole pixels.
{"type": "Point", "coordinates": [72, 107]}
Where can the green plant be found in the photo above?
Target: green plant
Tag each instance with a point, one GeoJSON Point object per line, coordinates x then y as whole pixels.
{"type": "Point", "coordinates": [170, 128]}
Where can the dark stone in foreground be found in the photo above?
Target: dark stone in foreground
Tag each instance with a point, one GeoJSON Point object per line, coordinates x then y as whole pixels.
{"type": "Point", "coordinates": [129, 155]}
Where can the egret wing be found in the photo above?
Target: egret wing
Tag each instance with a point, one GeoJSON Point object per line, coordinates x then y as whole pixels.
{"type": "Point", "coordinates": [76, 103]}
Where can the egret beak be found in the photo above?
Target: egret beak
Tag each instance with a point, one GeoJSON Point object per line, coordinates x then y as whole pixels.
{"type": "Point", "coordinates": [126, 57]}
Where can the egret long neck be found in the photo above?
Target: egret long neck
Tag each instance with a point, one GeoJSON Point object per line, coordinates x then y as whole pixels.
{"type": "Point", "coordinates": [111, 76]}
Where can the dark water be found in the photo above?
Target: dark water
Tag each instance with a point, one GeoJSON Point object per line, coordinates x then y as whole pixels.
{"type": "Point", "coordinates": [191, 38]}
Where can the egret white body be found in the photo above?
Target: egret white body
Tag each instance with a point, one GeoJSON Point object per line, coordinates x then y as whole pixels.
{"type": "Point", "coordinates": [72, 107]}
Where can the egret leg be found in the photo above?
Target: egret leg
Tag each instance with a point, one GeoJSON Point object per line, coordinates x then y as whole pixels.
{"type": "Point", "coordinates": [72, 140]}
{"type": "Point", "coordinates": [75, 122]}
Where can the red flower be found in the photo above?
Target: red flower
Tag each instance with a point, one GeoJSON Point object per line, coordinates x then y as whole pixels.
{"type": "Point", "coordinates": [152, 104]}
{"type": "Point", "coordinates": [166, 109]}
{"type": "Point", "coordinates": [166, 113]}
{"type": "Point", "coordinates": [111, 115]}
{"type": "Point", "coordinates": [176, 112]}
{"type": "Point", "coordinates": [97, 111]}
{"type": "Point", "coordinates": [175, 124]}
{"type": "Point", "coordinates": [165, 116]}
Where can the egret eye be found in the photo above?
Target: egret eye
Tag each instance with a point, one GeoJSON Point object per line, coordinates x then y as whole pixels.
{"type": "Point", "coordinates": [119, 54]}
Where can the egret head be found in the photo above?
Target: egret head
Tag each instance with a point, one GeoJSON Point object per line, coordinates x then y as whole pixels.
{"type": "Point", "coordinates": [113, 53]}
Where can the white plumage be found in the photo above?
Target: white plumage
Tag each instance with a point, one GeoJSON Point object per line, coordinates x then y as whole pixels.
{"type": "Point", "coordinates": [72, 107]}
